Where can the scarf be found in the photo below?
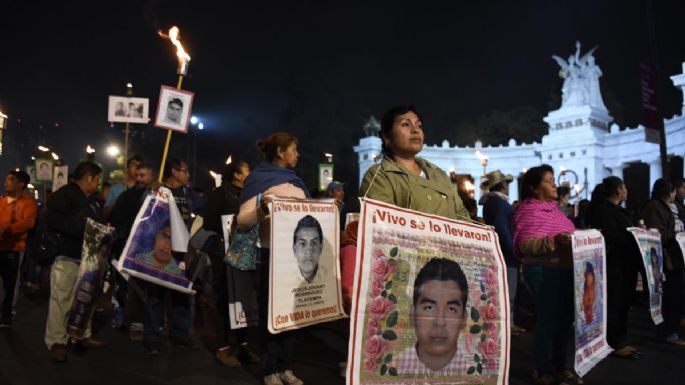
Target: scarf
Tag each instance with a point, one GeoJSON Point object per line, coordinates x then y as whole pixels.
{"type": "Point", "coordinates": [537, 219]}
{"type": "Point", "coordinates": [265, 176]}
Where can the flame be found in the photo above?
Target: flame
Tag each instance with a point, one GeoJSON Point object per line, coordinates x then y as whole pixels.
{"type": "Point", "coordinates": [562, 169]}
{"type": "Point", "coordinates": [228, 160]}
{"type": "Point", "coordinates": [468, 186]}
{"type": "Point", "coordinates": [481, 156]}
{"type": "Point", "coordinates": [577, 188]}
{"type": "Point", "coordinates": [173, 35]}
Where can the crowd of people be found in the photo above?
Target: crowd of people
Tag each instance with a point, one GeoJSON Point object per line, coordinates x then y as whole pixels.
{"type": "Point", "coordinates": [534, 235]}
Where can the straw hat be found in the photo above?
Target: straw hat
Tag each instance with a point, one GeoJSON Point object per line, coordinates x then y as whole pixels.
{"type": "Point", "coordinates": [495, 177]}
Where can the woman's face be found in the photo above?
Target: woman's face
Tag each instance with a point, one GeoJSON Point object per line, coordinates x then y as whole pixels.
{"type": "Point", "coordinates": [622, 193]}
{"type": "Point", "coordinates": [289, 155]}
{"type": "Point", "coordinates": [547, 190]}
{"type": "Point", "coordinates": [406, 136]}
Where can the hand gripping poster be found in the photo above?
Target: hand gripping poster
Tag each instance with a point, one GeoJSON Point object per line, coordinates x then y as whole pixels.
{"type": "Point", "coordinates": [97, 243]}
{"type": "Point", "coordinates": [649, 242]}
{"type": "Point", "coordinates": [430, 304]}
{"type": "Point", "coordinates": [589, 284]}
{"type": "Point", "coordinates": [304, 275]}
{"type": "Point", "coordinates": [158, 240]}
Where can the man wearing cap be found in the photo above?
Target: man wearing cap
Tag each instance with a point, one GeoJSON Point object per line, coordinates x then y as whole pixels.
{"type": "Point", "coordinates": [17, 217]}
{"type": "Point", "coordinates": [499, 213]}
{"type": "Point", "coordinates": [336, 190]}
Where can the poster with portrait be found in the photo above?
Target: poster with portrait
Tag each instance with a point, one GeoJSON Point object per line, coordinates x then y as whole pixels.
{"type": "Point", "coordinates": [325, 175]}
{"type": "Point", "coordinates": [123, 109]}
{"type": "Point", "coordinates": [60, 177]}
{"type": "Point", "coordinates": [44, 170]}
{"type": "Point", "coordinates": [589, 283]}
{"type": "Point", "coordinates": [97, 244]}
{"type": "Point", "coordinates": [173, 109]}
{"type": "Point", "coordinates": [304, 273]}
{"type": "Point", "coordinates": [430, 303]}
{"type": "Point", "coordinates": [680, 238]}
{"type": "Point", "coordinates": [158, 241]}
{"type": "Point", "coordinates": [649, 242]}
{"type": "Point", "coordinates": [31, 170]}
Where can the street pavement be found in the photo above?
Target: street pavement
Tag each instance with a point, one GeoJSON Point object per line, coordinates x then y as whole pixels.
{"type": "Point", "coordinates": [318, 351]}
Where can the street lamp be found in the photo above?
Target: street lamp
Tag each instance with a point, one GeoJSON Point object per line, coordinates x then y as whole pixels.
{"type": "Point", "coordinates": [113, 151]}
{"type": "Point", "coordinates": [193, 119]}
{"type": "Point", "coordinates": [43, 149]}
{"type": "Point", "coordinates": [90, 150]}
{"type": "Point", "coordinates": [329, 157]}
{"type": "Point", "coordinates": [55, 156]}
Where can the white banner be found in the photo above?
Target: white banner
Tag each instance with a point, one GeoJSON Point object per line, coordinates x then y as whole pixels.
{"type": "Point", "coordinates": [680, 238]}
{"type": "Point", "coordinates": [157, 232]}
{"type": "Point", "coordinates": [304, 274]}
{"type": "Point", "coordinates": [430, 303]}
{"type": "Point", "coordinates": [226, 223]}
{"type": "Point", "coordinates": [589, 282]}
{"type": "Point", "coordinates": [649, 242]}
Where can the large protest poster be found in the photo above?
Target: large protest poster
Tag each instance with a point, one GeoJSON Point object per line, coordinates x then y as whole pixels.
{"type": "Point", "coordinates": [97, 244]}
{"type": "Point", "coordinates": [304, 273]}
{"type": "Point", "coordinates": [430, 303]}
{"type": "Point", "coordinates": [157, 233]}
{"type": "Point", "coordinates": [589, 283]}
{"type": "Point", "coordinates": [649, 242]}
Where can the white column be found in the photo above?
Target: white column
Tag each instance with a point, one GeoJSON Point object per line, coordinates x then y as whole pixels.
{"type": "Point", "coordinates": [617, 171]}
{"type": "Point", "coordinates": [513, 190]}
{"type": "Point", "coordinates": [654, 172]}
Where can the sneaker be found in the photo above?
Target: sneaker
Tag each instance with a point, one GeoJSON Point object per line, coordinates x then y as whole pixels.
{"type": "Point", "coordinates": [186, 343]}
{"type": "Point", "coordinates": [92, 343]}
{"type": "Point", "coordinates": [288, 377]}
{"type": "Point", "coordinates": [58, 353]}
{"type": "Point", "coordinates": [226, 358]}
{"type": "Point", "coordinates": [247, 355]}
{"type": "Point", "coordinates": [272, 379]}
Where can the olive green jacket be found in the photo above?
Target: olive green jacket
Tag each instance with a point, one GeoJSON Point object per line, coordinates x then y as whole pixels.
{"type": "Point", "coordinates": [434, 194]}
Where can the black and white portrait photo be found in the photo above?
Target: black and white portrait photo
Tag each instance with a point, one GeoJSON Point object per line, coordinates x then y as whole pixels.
{"type": "Point", "coordinates": [44, 170]}
{"type": "Point", "coordinates": [173, 109]}
{"type": "Point", "coordinates": [123, 109]}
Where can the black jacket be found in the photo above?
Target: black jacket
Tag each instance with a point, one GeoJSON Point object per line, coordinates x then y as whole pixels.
{"type": "Point", "coordinates": [223, 200]}
{"type": "Point", "coordinates": [499, 213]}
{"type": "Point", "coordinates": [123, 215]}
{"type": "Point", "coordinates": [613, 220]}
{"type": "Point", "coordinates": [66, 215]}
{"type": "Point", "coordinates": [658, 215]}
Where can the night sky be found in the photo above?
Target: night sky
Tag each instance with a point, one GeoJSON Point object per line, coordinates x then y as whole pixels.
{"type": "Point", "coordinates": [316, 68]}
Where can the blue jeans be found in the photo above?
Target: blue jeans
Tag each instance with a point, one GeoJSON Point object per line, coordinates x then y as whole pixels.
{"type": "Point", "coordinates": [154, 314]}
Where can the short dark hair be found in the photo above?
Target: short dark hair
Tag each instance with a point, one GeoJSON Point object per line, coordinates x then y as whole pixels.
{"type": "Point", "coordinates": [307, 221]}
{"type": "Point", "coordinates": [269, 147]}
{"type": "Point", "coordinates": [532, 179]}
{"type": "Point", "coordinates": [230, 169]}
{"type": "Point", "coordinates": [22, 176]}
{"type": "Point", "coordinates": [86, 168]}
{"type": "Point", "coordinates": [441, 269]}
{"type": "Point", "coordinates": [173, 164]}
{"type": "Point", "coordinates": [662, 188]}
{"type": "Point", "coordinates": [388, 121]}
{"type": "Point", "coordinates": [610, 186]}
{"type": "Point", "coordinates": [589, 270]}
{"type": "Point", "coordinates": [678, 182]}
{"type": "Point", "coordinates": [176, 101]}
{"type": "Point", "coordinates": [134, 158]}
{"type": "Point", "coordinates": [147, 166]}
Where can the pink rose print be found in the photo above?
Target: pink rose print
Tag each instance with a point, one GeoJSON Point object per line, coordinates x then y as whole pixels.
{"type": "Point", "coordinates": [491, 365]}
{"type": "Point", "coordinates": [494, 298]}
{"type": "Point", "coordinates": [490, 279]}
{"type": "Point", "coordinates": [376, 288]}
{"type": "Point", "coordinates": [370, 365]}
{"type": "Point", "coordinates": [382, 269]}
{"type": "Point", "coordinates": [488, 349]}
{"type": "Point", "coordinates": [489, 312]}
{"type": "Point", "coordinates": [378, 253]}
{"type": "Point", "coordinates": [380, 307]}
{"type": "Point", "coordinates": [468, 342]}
{"type": "Point", "coordinates": [493, 332]}
{"type": "Point", "coordinates": [374, 348]}
{"type": "Point", "coordinates": [372, 328]}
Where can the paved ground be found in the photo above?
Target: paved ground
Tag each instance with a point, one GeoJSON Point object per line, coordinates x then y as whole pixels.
{"type": "Point", "coordinates": [24, 359]}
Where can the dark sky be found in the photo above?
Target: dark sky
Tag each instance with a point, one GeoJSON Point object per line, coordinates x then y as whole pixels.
{"type": "Point", "coordinates": [317, 68]}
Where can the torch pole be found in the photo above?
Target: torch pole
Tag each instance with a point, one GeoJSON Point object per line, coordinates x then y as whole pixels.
{"type": "Point", "coordinates": [126, 150]}
{"type": "Point", "coordinates": [168, 138]}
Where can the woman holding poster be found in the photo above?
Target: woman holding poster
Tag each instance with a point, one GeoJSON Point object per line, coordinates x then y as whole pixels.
{"type": "Point", "coordinates": [662, 213]}
{"type": "Point", "coordinates": [405, 180]}
{"type": "Point", "coordinates": [623, 259]}
{"type": "Point", "coordinates": [273, 177]}
{"type": "Point", "coordinates": [542, 236]}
